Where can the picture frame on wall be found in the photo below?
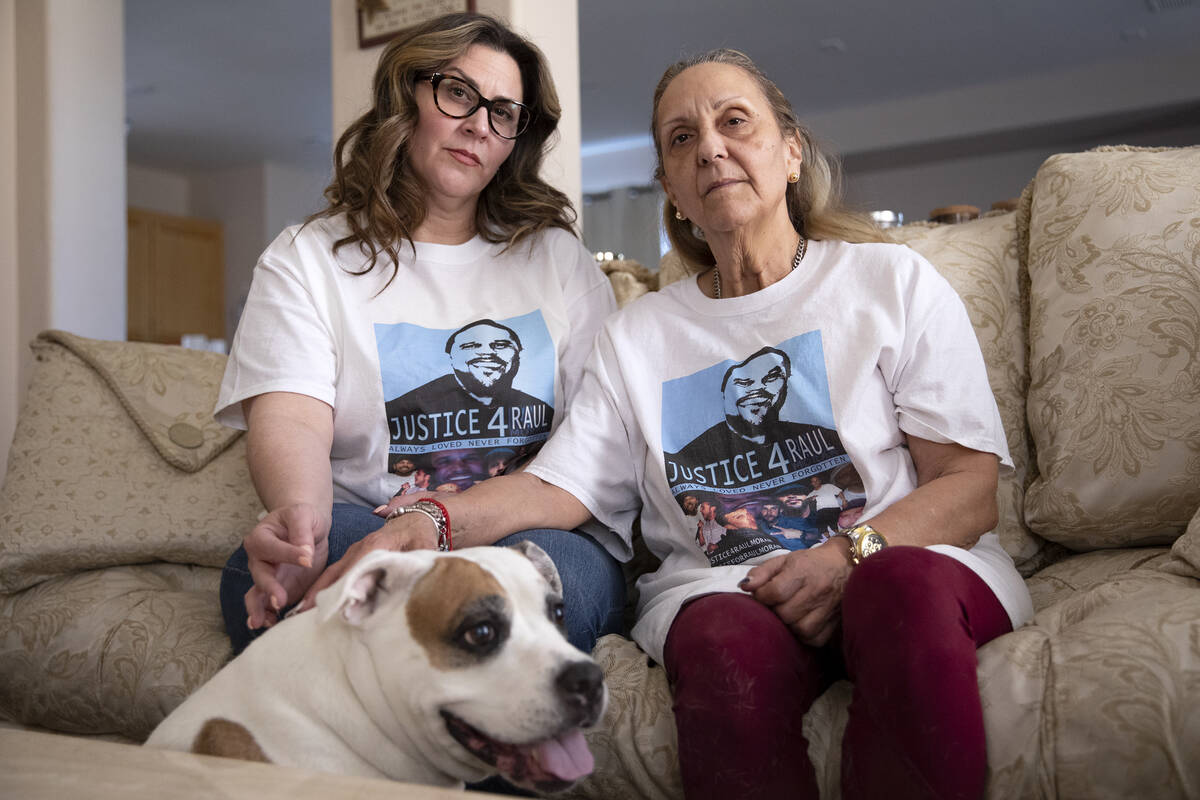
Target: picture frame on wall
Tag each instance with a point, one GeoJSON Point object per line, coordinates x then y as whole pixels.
{"type": "Point", "coordinates": [380, 20]}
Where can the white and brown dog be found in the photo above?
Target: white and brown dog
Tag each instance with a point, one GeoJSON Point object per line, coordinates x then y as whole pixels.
{"type": "Point", "coordinates": [436, 668]}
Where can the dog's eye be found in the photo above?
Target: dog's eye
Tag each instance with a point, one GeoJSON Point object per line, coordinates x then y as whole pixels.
{"type": "Point", "coordinates": [480, 635]}
{"type": "Point", "coordinates": [558, 613]}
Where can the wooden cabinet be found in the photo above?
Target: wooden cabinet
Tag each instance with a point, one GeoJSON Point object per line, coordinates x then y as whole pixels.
{"type": "Point", "coordinates": [176, 277]}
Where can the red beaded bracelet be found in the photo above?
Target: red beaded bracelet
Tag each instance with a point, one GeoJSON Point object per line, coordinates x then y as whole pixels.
{"type": "Point", "coordinates": [445, 519]}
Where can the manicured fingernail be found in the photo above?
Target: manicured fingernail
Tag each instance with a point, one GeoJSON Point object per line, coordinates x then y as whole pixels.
{"type": "Point", "coordinates": [274, 602]}
{"type": "Point", "coordinates": [379, 508]}
{"type": "Point", "coordinates": [250, 623]}
{"type": "Point", "coordinates": [742, 583]}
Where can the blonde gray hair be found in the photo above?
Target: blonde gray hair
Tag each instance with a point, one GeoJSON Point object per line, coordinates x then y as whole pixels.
{"type": "Point", "coordinates": [814, 202]}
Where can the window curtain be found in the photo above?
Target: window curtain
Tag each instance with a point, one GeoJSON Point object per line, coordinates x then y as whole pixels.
{"type": "Point", "coordinates": [626, 222]}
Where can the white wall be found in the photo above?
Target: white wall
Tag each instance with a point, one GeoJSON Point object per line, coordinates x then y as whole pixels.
{"type": "Point", "coordinates": [351, 69]}
{"type": "Point", "coordinates": [237, 198]}
{"type": "Point", "coordinates": [32, 310]}
{"type": "Point", "coordinates": [291, 194]}
{"type": "Point", "coordinates": [62, 67]}
{"type": "Point", "coordinates": [11, 346]}
{"type": "Point", "coordinates": [157, 190]}
{"type": "Point", "coordinates": [553, 25]}
{"type": "Point", "coordinates": [625, 162]}
{"type": "Point", "coordinates": [85, 47]}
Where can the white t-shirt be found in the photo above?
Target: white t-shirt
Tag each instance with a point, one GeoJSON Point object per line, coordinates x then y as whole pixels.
{"type": "Point", "coordinates": [740, 401]}
{"type": "Point", "coordinates": [710, 532]}
{"type": "Point", "coordinates": [460, 366]}
{"type": "Point", "coordinates": [826, 496]}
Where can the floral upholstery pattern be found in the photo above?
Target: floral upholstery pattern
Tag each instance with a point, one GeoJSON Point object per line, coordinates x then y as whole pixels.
{"type": "Point", "coordinates": [1114, 331]}
{"type": "Point", "coordinates": [636, 738]}
{"type": "Point", "coordinates": [1091, 699]}
{"type": "Point", "coordinates": [111, 650]}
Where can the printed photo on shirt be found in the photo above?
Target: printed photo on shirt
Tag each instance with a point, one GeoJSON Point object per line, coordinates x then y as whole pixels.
{"type": "Point", "coordinates": [752, 453]}
{"type": "Point", "coordinates": [466, 404]}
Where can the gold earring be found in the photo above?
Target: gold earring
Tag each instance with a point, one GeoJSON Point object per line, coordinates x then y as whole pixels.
{"type": "Point", "coordinates": [679, 216]}
{"type": "Point", "coordinates": [793, 177]}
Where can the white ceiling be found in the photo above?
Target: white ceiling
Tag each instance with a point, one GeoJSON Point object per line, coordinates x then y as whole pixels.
{"type": "Point", "coordinates": [225, 83]}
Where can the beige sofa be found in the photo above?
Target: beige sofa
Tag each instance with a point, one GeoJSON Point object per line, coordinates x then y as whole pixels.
{"type": "Point", "coordinates": [123, 497]}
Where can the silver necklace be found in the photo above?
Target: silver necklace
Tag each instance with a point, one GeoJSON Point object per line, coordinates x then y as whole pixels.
{"type": "Point", "coordinates": [801, 249]}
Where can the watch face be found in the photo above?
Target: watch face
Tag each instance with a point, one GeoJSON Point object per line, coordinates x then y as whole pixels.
{"type": "Point", "coordinates": [871, 543]}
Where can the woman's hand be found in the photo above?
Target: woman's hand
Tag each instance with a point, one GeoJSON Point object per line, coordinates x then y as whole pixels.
{"type": "Point", "coordinates": [288, 440]}
{"type": "Point", "coordinates": [409, 532]}
{"type": "Point", "coordinates": [804, 589]}
{"type": "Point", "coordinates": [286, 552]}
{"type": "Point", "coordinates": [486, 512]}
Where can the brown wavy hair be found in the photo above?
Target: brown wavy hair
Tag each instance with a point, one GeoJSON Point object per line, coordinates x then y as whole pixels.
{"type": "Point", "coordinates": [814, 203]}
{"type": "Point", "coordinates": [374, 184]}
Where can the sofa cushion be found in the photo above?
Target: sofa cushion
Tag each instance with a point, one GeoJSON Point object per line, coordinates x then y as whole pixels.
{"type": "Point", "coordinates": [112, 650]}
{"type": "Point", "coordinates": [979, 259]}
{"type": "Point", "coordinates": [1114, 328]}
{"type": "Point", "coordinates": [1185, 553]}
{"type": "Point", "coordinates": [116, 459]}
{"type": "Point", "coordinates": [1079, 572]}
{"type": "Point", "coordinates": [629, 279]}
{"type": "Point", "coordinates": [1092, 698]}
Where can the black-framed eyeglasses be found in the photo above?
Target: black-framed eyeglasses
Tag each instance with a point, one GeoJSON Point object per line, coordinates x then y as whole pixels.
{"type": "Point", "coordinates": [456, 98]}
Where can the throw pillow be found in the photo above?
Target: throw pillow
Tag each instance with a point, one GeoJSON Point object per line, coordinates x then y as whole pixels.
{"type": "Point", "coordinates": [117, 460]}
{"type": "Point", "coordinates": [1114, 329]}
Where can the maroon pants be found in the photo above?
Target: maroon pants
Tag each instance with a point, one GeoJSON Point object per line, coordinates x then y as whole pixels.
{"type": "Point", "coordinates": [911, 622]}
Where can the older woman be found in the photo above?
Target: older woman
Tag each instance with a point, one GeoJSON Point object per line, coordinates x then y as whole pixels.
{"type": "Point", "coordinates": [802, 345]}
{"type": "Point", "coordinates": [426, 330]}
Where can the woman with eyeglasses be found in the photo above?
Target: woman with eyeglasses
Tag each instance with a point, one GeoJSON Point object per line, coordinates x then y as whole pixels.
{"type": "Point", "coordinates": [438, 311]}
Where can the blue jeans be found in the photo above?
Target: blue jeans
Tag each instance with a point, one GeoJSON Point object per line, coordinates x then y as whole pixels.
{"type": "Point", "coordinates": [593, 586]}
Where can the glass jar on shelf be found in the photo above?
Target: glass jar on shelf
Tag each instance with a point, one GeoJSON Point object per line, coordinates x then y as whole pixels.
{"type": "Point", "coordinates": [888, 219]}
{"type": "Point", "coordinates": [954, 214]}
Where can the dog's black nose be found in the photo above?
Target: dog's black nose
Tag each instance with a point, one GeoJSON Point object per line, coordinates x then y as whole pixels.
{"type": "Point", "coordinates": [581, 687]}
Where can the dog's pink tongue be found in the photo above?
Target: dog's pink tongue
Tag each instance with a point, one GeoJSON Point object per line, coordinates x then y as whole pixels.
{"type": "Point", "coordinates": [566, 757]}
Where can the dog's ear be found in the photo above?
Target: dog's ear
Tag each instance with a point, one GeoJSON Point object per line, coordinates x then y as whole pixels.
{"type": "Point", "coordinates": [358, 593]}
{"type": "Point", "coordinates": [543, 563]}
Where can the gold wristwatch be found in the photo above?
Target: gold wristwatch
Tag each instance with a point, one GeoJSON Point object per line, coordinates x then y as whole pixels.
{"type": "Point", "coordinates": [864, 540]}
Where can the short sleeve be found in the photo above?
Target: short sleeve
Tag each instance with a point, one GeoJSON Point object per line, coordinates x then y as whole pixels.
{"type": "Point", "coordinates": [594, 453]}
{"type": "Point", "coordinates": [589, 302]}
{"type": "Point", "coordinates": [284, 341]}
{"type": "Point", "coordinates": [940, 380]}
